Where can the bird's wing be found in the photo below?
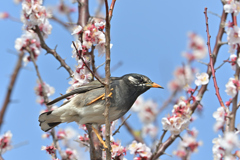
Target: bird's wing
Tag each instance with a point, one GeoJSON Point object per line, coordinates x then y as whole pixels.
{"type": "Point", "coordinates": [90, 86]}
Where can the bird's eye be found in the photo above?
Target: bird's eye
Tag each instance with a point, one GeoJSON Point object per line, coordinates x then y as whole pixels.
{"type": "Point", "coordinates": [141, 80]}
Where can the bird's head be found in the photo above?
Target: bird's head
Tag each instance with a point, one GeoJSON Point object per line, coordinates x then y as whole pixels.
{"type": "Point", "coordinates": [140, 82]}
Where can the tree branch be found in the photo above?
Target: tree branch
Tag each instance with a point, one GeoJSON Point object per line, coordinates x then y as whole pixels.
{"type": "Point", "coordinates": [10, 87]}
{"type": "Point", "coordinates": [107, 84]}
{"type": "Point", "coordinates": [211, 61]}
{"type": "Point", "coordinates": [117, 131]}
{"type": "Point", "coordinates": [83, 13]}
{"type": "Point", "coordinates": [53, 52]}
{"type": "Point", "coordinates": [203, 88]}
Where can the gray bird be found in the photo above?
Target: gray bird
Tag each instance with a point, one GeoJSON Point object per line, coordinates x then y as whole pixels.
{"type": "Point", "coordinates": [88, 105]}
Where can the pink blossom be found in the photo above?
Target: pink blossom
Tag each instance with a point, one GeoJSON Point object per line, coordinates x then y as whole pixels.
{"type": "Point", "coordinates": [70, 154]}
{"type": "Point", "coordinates": [5, 141]}
{"type": "Point", "coordinates": [4, 15]}
{"type": "Point", "coordinates": [202, 79]}
{"type": "Point", "coordinates": [61, 134]}
{"type": "Point", "coordinates": [148, 112]}
{"type": "Point", "coordinates": [175, 124]}
{"type": "Point", "coordinates": [77, 30]}
{"type": "Point", "coordinates": [232, 87]}
{"type": "Point", "coordinates": [49, 149]}
{"type": "Point", "coordinates": [149, 129]}
{"type": "Point", "coordinates": [141, 149]}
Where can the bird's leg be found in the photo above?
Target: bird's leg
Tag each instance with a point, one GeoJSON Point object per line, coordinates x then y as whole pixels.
{"type": "Point", "coordinates": [99, 97]}
{"type": "Point", "coordinates": [99, 137]}
{"type": "Point", "coordinates": [109, 95]}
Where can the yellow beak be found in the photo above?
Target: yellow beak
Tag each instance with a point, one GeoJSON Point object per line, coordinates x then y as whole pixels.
{"type": "Point", "coordinates": [154, 85]}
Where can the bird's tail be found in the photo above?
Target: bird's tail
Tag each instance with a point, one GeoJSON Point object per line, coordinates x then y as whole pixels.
{"type": "Point", "coordinates": [48, 121]}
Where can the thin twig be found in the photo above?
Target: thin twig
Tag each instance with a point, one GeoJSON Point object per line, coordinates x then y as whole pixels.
{"type": "Point", "coordinates": [160, 142]}
{"type": "Point", "coordinates": [215, 14]}
{"type": "Point", "coordinates": [10, 87]}
{"type": "Point", "coordinates": [131, 131]}
{"type": "Point", "coordinates": [211, 61]}
{"type": "Point", "coordinates": [80, 56]}
{"type": "Point", "coordinates": [111, 9]}
{"type": "Point", "coordinates": [52, 51]}
{"type": "Point", "coordinates": [117, 131]}
{"type": "Point", "coordinates": [45, 97]}
{"type": "Point", "coordinates": [220, 65]}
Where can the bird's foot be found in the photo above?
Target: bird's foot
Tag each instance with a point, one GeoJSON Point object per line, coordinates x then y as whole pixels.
{"type": "Point", "coordinates": [100, 97]}
{"type": "Point", "coordinates": [109, 95]}
{"type": "Point", "coordinates": [99, 137]}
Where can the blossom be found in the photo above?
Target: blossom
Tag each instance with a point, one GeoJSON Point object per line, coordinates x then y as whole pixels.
{"type": "Point", "coordinates": [232, 87]}
{"type": "Point", "coordinates": [148, 112]}
{"type": "Point", "coordinates": [150, 129]}
{"type": "Point", "coordinates": [188, 144]}
{"type": "Point", "coordinates": [4, 15]}
{"type": "Point", "coordinates": [202, 79]}
{"type": "Point", "coordinates": [70, 154]}
{"type": "Point", "coordinates": [141, 149]}
{"type": "Point", "coordinates": [33, 13]}
{"type": "Point", "coordinates": [175, 124]}
{"type": "Point", "coordinates": [77, 30]}
{"type": "Point", "coordinates": [49, 149]}
{"type": "Point", "coordinates": [230, 141]}
{"type": "Point", "coordinates": [232, 7]}
{"type": "Point", "coordinates": [181, 109]}
{"type": "Point", "coordinates": [233, 59]}
{"type": "Point", "coordinates": [233, 35]}
{"type": "Point", "coordinates": [61, 134]}
{"type": "Point", "coordinates": [197, 46]}
{"type": "Point", "coordinates": [5, 141]}
{"type": "Point", "coordinates": [138, 104]}
{"type": "Point", "coordinates": [28, 40]}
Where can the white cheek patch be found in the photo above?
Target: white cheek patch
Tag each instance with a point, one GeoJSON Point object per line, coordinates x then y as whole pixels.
{"type": "Point", "coordinates": [132, 79]}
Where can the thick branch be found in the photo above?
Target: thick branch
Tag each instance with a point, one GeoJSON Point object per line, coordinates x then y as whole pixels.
{"type": "Point", "coordinates": [83, 13]}
{"type": "Point", "coordinates": [10, 87]}
{"type": "Point", "coordinates": [107, 83]}
{"type": "Point", "coordinates": [53, 52]}
{"type": "Point", "coordinates": [234, 100]}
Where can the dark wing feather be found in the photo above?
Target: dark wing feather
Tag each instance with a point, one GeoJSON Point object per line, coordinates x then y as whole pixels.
{"type": "Point", "coordinates": [90, 86]}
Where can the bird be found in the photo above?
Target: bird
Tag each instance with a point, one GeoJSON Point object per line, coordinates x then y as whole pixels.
{"type": "Point", "coordinates": [88, 104]}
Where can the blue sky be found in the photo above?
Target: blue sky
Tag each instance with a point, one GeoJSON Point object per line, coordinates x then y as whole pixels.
{"type": "Point", "coordinates": [148, 38]}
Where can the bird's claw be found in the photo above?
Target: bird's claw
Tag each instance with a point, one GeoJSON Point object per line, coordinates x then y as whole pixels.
{"type": "Point", "coordinates": [101, 96]}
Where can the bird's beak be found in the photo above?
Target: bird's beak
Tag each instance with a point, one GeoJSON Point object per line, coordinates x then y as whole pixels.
{"type": "Point", "coordinates": [154, 85]}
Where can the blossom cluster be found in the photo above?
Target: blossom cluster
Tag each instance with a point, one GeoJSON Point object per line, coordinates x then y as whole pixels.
{"type": "Point", "coordinates": [197, 47]}
{"type": "Point", "coordinates": [118, 151]}
{"type": "Point", "coordinates": [39, 89]}
{"type": "Point", "coordinates": [143, 151]}
{"type": "Point", "coordinates": [180, 118]}
{"type": "Point", "coordinates": [29, 41]}
{"type": "Point", "coordinates": [5, 141]}
{"type": "Point", "coordinates": [147, 112]}
{"type": "Point", "coordinates": [232, 87]}
{"type": "Point", "coordinates": [220, 116]}
{"type": "Point", "coordinates": [89, 37]}
{"type": "Point", "coordinates": [224, 146]}
{"type": "Point", "coordinates": [188, 145]}
{"type": "Point", "coordinates": [33, 13]}
{"type": "Point", "coordinates": [232, 6]}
